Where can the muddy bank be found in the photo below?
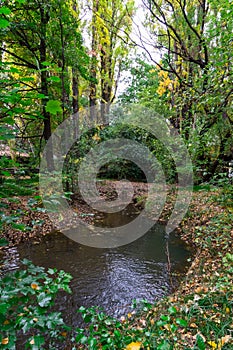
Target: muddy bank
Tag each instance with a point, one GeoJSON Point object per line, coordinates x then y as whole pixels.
{"type": "Point", "coordinates": [33, 221]}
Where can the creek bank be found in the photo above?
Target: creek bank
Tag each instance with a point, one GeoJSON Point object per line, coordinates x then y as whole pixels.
{"type": "Point", "coordinates": [204, 299]}
{"type": "Point", "coordinates": [198, 315]}
{"type": "Point", "coordinates": [34, 222]}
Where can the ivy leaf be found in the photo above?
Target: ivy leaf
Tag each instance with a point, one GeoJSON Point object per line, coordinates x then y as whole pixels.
{"type": "Point", "coordinates": [8, 120]}
{"type": "Point", "coordinates": [172, 310]}
{"type": "Point", "coordinates": [181, 322]}
{"type": "Point", "coordinates": [53, 107]}
{"type": "Point", "coordinates": [44, 299]}
{"type": "Point", "coordinates": [40, 96]}
{"type": "Point", "coordinates": [37, 341]}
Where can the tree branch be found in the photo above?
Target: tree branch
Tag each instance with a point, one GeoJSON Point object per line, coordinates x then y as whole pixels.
{"type": "Point", "coordinates": [26, 63]}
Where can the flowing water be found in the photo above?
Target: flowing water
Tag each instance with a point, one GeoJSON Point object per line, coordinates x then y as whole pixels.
{"type": "Point", "coordinates": [110, 278]}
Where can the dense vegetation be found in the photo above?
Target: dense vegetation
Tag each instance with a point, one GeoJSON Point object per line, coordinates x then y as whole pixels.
{"type": "Point", "coordinates": [65, 57]}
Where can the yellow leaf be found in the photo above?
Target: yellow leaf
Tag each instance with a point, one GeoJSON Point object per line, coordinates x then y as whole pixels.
{"type": "Point", "coordinates": [221, 342]}
{"type": "Point", "coordinates": [213, 344]}
{"type": "Point", "coordinates": [6, 322]}
{"type": "Point", "coordinates": [133, 346]}
{"type": "Point", "coordinates": [34, 286]}
{"type": "Point", "coordinates": [193, 325]}
{"type": "Point", "coordinates": [167, 327]}
{"type": "Point", "coordinates": [224, 340]}
{"type": "Point", "coordinates": [5, 341]}
{"type": "Point", "coordinates": [96, 137]}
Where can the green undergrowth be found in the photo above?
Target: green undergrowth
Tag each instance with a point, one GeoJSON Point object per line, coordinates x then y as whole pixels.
{"type": "Point", "coordinates": [198, 316]}
{"type": "Point", "coordinates": [26, 318]}
{"type": "Point", "coordinates": [22, 187]}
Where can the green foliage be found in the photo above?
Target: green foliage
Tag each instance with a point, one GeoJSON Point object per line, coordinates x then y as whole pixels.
{"type": "Point", "coordinates": [120, 168]}
{"type": "Point", "coordinates": [104, 331]}
{"type": "Point", "coordinates": [53, 107]}
{"type": "Point", "coordinates": [142, 83]}
{"type": "Point", "coordinates": [191, 84]}
{"type": "Point", "coordinates": [27, 296]}
{"type": "Point", "coordinates": [4, 23]}
{"type": "Point", "coordinates": [191, 319]}
{"type": "Point", "coordinates": [13, 186]}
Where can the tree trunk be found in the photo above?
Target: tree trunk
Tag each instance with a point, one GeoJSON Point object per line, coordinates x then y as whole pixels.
{"type": "Point", "coordinates": [93, 68]}
{"type": "Point", "coordinates": [47, 132]}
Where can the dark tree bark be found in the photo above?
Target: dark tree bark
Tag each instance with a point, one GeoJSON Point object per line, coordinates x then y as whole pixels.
{"type": "Point", "coordinates": [47, 132]}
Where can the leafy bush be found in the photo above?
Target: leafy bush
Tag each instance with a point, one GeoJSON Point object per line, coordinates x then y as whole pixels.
{"type": "Point", "coordinates": [27, 296]}
{"type": "Point", "coordinates": [120, 168]}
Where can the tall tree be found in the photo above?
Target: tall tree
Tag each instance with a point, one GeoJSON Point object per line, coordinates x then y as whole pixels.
{"type": "Point", "coordinates": [43, 40]}
{"type": "Point", "coordinates": [110, 28]}
{"type": "Point", "coordinates": [194, 38]}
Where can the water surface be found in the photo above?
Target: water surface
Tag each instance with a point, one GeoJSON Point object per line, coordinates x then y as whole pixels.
{"type": "Point", "coordinates": [110, 278]}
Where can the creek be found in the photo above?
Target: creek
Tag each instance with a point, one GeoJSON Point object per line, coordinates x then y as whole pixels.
{"type": "Point", "coordinates": [148, 268]}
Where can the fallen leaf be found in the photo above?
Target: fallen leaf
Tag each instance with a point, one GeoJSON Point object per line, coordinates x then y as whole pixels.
{"type": "Point", "coordinates": [212, 344]}
{"type": "Point", "coordinates": [34, 286]}
{"type": "Point", "coordinates": [96, 137]}
{"type": "Point", "coordinates": [133, 346]}
{"type": "Point", "coordinates": [5, 341]}
{"type": "Point", "coordinates": [167, 327]}
{"type": "Point", "coordinates": [224, 340]}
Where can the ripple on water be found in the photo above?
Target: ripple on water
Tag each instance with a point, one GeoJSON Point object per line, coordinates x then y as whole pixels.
{"type": "Point", "coordinates": [110, 278]}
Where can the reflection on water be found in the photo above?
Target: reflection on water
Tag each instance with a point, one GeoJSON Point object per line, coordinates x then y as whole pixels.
{"type": "Point", "coordinates": [11, 259]}
{"type": "Point", "coordinates": [110, 278]}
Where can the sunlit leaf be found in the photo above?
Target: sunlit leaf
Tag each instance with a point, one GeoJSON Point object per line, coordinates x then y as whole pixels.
{"type": "Point", "coordinates": [4, 23]}
{"type": "Point", "coordinates": [53, 107]}
{"type": "Point", "coordinates": [181, 322]}
{"type": "Point", "coordinates": [133, 346]}
{"type": "Point", "coordinates": [54, 79]}
{"type": "Point", "coordinates": [5, 10]}
{"type": "Point", "coordinates": [35, 286]}
{"type": "Point", "coordinates": [5, 341]}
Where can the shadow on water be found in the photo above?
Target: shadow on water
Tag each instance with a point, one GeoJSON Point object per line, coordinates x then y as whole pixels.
{"type": "Point", "coordinates": [110, 278]}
